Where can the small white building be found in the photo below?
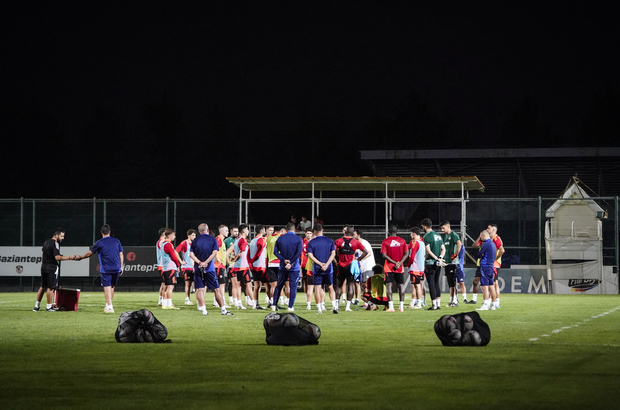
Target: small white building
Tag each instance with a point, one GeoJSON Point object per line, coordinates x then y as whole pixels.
{"type": "Point", "coordinates": [574, 241]}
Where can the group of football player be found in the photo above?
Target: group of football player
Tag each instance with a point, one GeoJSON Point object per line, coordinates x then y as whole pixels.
{"type": "Point", "coordinates": [279, 258]}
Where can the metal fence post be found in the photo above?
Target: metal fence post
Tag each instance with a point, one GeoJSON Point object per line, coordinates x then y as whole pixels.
{"type": "Point", "coordinates": [174, 214]}
{"type": "Point", "coordinates": [167, 210]}
{"type": "Point", "coordinates": [539, 230]}
{"type": "Point", "coordinates": [94, 219]}
{"type": "Point", "coordinates": [21, 221]}
{"type": "Point", "coordinates": [617, 231]}
{"type": "Point", "coordinates": [33, 221]}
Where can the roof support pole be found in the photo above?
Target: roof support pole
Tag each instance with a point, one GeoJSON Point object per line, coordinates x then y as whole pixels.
{"type": "Point", "coordinates": [387, 204]}
{"type": "Point", "coordinates": [392, 206]}
{"type": "Point", "coordinates": [247, 204]}
{"type": "Point", "coordinates": [312, 214]}
{"type": "Point", "coordinates": [240, 202]}
{"type": "Point", "coordinates": [374, 208]}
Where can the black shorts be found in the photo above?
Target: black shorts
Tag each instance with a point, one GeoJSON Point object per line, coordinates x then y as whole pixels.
{"type": "Point", "coordinates": [49, 280]}
{"type": "Point", "coordinates": [243, 276]}
{"type": "Point", "coordinates": [416, 279]}
{"type": "Point", "coordinates": [221, 276]}
{"type": "Point", "coordinates": [272, 273]}
{"type": "Point", "coordinates": [451, 275]}
{"type": "Point", "coordinates": [259, 275]}
{"type": "Point", "coordinates": [395, 277]}
{"type": "Point", "coordinates": [496, 274]}
{"type": "Point", "coordinates": [478, 274]}
{"type": "Point", "coordinates": [188, 274]}
{"type": "Point", "coordinates": [344, 273]}
{"type": "Point", "coordinates": [169, 277]}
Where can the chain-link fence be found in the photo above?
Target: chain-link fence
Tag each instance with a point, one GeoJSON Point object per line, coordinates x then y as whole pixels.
{"type": "Point", "coordinates": [29, 222]}
{"type": "Point", "coordinates": [521, 222]}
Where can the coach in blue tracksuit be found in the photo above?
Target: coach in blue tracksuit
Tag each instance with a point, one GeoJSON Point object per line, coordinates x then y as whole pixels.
{"type": "Point", "coordinates": [487, 255]}
{"type": "Point", "coordinates": [288, 249]}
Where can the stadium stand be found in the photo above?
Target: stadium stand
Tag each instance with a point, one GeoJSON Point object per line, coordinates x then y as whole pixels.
{"type": "Point", "coordinates": [508, 173]}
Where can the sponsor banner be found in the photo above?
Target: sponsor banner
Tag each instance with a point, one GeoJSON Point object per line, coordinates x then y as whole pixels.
{"type": "Point", "coordinates": [533, 279]}
{"type": "Point", "coordinates": [26, 261]}
{"type": "Point", "coordinates": [607, 286]}
{"type": "Point", "coordinates": [517, 279]}
{"type": "Point", "coordinates": [524, 279]}
{"type": "Point", "coordinates": [139, 262]}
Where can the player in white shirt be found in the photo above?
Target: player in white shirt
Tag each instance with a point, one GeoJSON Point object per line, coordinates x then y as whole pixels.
{"type": "Point", "coordinates": [366, 264]}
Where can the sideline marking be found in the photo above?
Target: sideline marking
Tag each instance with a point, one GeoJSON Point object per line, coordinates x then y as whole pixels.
{"type": "Point", "coordinates": [556, 331]}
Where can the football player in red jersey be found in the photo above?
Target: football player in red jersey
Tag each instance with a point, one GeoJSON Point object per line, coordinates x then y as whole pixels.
{"type": "Point", "coordinates": [345, 250]}
{"type": "Point", "coordinates": [395, 251]}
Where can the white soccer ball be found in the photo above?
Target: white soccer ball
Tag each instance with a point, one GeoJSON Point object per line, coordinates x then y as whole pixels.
{"type": "Point", "coordinates": [124, 317]}
{"type": "Point", "coordinates": [148, 319]}
{"type": "Point", "coordinates": [451, 323]}
{"type": "Point", "coordinates": [290, 320]}
{"type": "Point", "coordinates": [273, 319]}
{"type": "Point", "coordinates": [126, 330]}
{"type": "Point", "coordinates": [472, 338]}
{"type": "Point", "coordinates": [455, 334]}
{"type": "Point", "coordinates": [448, 322]}
{"type": "Point", "coordinates": [126, 334]}
{"type": "Point", "coordinates": [313, 330]}
{"type": "Point", "coordinates": [468, 323]}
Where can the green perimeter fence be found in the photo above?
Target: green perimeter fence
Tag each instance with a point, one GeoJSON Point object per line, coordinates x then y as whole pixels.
{"type": "Point", "coordinates": [521, 222]}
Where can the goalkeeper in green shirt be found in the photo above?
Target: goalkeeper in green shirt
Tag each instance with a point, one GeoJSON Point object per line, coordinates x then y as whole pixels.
{"type": "Point", "coordinates": [453, 245]}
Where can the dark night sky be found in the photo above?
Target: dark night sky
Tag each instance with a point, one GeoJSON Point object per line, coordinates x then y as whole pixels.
{"type": "Point", "coordinates": [109, 91]}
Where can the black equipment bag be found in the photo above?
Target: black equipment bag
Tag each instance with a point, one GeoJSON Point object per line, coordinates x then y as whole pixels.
{"type": "Point", "coordinates": [463, 329]}
{"type": "Point", "coordinates": [288, 329]}
{"type": "Point", "coordinates": [140, 326]}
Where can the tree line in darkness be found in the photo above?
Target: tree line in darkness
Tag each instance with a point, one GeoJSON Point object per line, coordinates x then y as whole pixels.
{"type": "Point", "coordinates": [154, 151]}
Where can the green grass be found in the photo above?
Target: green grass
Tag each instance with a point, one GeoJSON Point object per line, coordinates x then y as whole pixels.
{"type": "Point", "coordinates": [373, 360]}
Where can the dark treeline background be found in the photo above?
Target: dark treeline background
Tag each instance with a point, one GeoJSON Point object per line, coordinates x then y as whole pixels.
{"type": "Point", "coordinates": [124, 100]}
{"type": "Point", "coordinates": [106, 153]}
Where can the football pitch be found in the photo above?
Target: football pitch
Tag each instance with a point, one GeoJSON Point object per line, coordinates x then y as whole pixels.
{"type": "Point", "coordinates": [546, 351]}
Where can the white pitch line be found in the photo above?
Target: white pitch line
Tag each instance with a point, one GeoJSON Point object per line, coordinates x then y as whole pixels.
{"type": "Point", "coordinates": [556, 331]}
